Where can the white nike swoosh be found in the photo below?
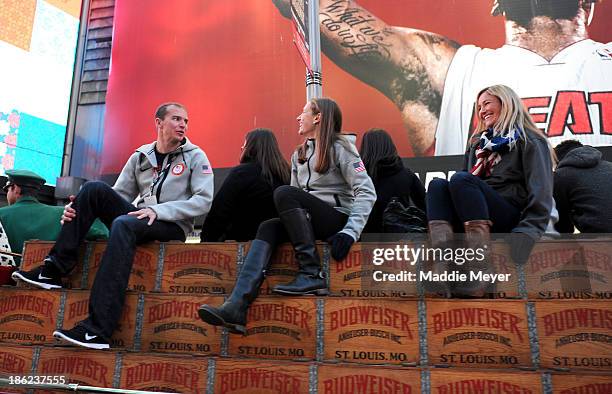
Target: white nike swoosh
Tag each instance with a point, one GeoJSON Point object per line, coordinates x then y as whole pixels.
{"type": "Point", "coordinates": [42, 277]}
{"type": "Point", "coordinates": [90, 337]}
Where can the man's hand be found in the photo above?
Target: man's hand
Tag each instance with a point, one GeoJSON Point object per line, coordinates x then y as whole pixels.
{"type": "Point", "coordinates": [145, 213]}
{"type": "Point", "coordinates": [69, 212]}
{"type": "Point", "coordinates": [284, 6]}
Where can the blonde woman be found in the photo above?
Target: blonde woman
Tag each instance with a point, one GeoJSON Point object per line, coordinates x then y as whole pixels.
{"type": "Point", "coordinates": [506, 185]}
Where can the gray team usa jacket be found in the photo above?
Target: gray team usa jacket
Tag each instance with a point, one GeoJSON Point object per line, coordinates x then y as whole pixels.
{"type": "Point", "coordinates": [183, 186]}
{"type": "Point", "coordinates": [346, 185]}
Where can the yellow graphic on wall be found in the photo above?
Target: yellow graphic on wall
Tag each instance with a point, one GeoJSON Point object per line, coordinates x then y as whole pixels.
{"type": "Point", "coordinates": [72, 7]}
{"type": "Point", "coordinates": [17, 22]}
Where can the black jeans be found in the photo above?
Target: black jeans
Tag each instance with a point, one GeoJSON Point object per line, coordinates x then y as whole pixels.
{"type": "Point", "coordinates": [98, 200]}
{"type": "Point", "coordinates": [467, 197]}
{"type": "Point", "coordinates": [325, 219]}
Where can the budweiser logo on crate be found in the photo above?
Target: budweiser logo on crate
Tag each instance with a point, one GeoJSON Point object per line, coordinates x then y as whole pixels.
{"type": "Point", "coordinates": [450, 382]}
{"type": "Point", "coordinates": [235, 376]}
{"type": "Point", "coordinates": [28, 316]}
{"type": "Point", "coordinates": [575, 334]}
{"type": "Point", "coordinates": [478, 333]}
{"type": "Point", "coordinates": [358, 379]}
{"type": "Point", "coordinates": [171, 374]}
{"type": "Point", "coordinates": [199, 269]}
{"type": "Point", "coordinates": [371, 331]}
{"type": "Point", "coordinates": [283, 328]}
{"type": "Point", "coordinates": [172, 324]}
{"type": "Point", "coordinates": [84, 367]}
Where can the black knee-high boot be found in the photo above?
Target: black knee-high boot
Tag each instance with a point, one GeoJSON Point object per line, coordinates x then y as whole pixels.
{"type": "Point", "coordinates": [309, 280]}
{"type": "Point", "coordinates": [233, 312]}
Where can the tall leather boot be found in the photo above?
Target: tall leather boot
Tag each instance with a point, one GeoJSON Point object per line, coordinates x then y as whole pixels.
{"type": "Point", "coordinates": [309, 279]}
{"type": "Point", "coordinates": [233, 312]}
{"type": "Point", "coordinates": [440, 236]}
{"type": "Point", "coordinates": [477, 235]}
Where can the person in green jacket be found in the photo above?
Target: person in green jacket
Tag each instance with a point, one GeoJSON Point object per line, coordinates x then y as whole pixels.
{"type": "Point", "coordinates": [26, 218]}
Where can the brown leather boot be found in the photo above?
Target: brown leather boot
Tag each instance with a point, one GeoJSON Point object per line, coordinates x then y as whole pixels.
{"type": "Point", "coordinates": [440, 236]}
{"type": "Point", "coordinates": [477, 235]}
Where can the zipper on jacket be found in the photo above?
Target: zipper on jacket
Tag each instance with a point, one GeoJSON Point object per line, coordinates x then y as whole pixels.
{"type": "Point", "coordinates": [337, 200]}
{"type": "Point", "coordinates": [161, 182]}
{"type": "Point", "coordinates": [308, 165]}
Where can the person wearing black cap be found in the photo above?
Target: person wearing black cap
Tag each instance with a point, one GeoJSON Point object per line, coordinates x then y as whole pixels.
{"type": "Point", "coordinates": [26, 218]}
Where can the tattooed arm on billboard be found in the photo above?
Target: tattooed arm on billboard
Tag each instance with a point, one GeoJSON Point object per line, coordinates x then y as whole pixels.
{"type": "Point", "coordinates": [410, 67]}
{"type": "Point", "coordinates": [406, 65]}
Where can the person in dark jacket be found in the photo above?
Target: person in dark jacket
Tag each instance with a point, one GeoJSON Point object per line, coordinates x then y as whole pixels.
{"type": "Point", "coordinates": [582, 189]}
{"type": "Point", "coordinates": [330, 198]}
{"type": "Point", "coordinates": [506, 184]}
{"type": "Point", "coordinates": [245, 198]}
{"type": "Point", "coordinates": [390, 178]}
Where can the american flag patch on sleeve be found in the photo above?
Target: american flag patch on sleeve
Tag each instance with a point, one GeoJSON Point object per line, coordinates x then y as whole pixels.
{"type": "Point", "coordinates": [359, 167]}
{"type": "Point", "coordinates": [206, 169]}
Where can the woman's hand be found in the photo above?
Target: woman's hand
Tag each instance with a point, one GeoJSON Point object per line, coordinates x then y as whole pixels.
{"type": "Point", "coordinates": [340, 244]}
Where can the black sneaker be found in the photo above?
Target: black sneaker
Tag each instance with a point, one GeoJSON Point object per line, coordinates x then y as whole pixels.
{"type": "Point", "coordinates": [79, 336]}
{"type": "Point", "coordinates": [40, 277]}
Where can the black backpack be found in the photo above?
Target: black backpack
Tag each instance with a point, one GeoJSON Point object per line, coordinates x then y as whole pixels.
{"type": "Point", "coordinates": [400, 219]}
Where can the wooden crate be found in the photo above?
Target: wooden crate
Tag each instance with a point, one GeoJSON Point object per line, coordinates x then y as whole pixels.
{"type": "Point", "coordinates": [576, 269]}
{"type": "Point", "coordinates": [144, 267]}
{"type": "Point", "coordinates": [171, 324]}
{"type": "Point", "coordinates": [581, 384]}
{"type": "Point", "coordinates": [208, 268]}
{"type": "Point", "coordinates": [502, 263]}
{"type": "Point", "coordinates": [478, 333]}
{"type": "Point", "coordinates": [164, 373]}
{"type": "Point", "coordinates": [28, 316]}
{"type": "Point", "coordinates": [86, 367]}
{"type": "Point", "coordinates": [278, 328]}
{"type": "Point", "coordinates": [34, 252]}
{"type": "Point", "coordinates": [76, 309]}
{"type": "Point", "coordinates": [486, 382]}
{"type": "Point", "coordinates": [574, 334]}
{"type": "Point", "coordinates": [16, 360]}
{"type": "Point", "coordinates": [364, 380]}
{"type": "Point", "coordinates": [353, 276]}
{"type": "Point", "coordinates": [246, 376]}
{"type": "Point", "coordinates": [371, 331]}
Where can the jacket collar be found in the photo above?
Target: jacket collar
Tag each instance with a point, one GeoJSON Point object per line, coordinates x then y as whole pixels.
{"type": "Point", "coordinates": [25, 200]}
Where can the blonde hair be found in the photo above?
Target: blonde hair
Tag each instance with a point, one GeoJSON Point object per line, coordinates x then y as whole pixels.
{"type": "Point", "coordinates": [513, 116]}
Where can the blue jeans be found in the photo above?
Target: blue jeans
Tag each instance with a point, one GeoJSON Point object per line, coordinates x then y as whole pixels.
{"type": "Point", "coordinates": [99, 200]}
{"type": "Point", "coordinates": [466, 197]}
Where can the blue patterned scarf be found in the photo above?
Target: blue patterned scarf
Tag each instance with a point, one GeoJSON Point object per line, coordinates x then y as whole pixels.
{"type": "Point", "coordinates": [489, 151]}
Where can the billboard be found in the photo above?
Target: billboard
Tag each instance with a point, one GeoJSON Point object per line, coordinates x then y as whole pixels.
{"type": "Point", "coordinates": [410, 67]}
{"type": "Point", "coordinates": [38, 40]}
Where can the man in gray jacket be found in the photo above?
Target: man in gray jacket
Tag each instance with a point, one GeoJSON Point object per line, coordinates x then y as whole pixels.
{"type": "Point", "coordinates": [170, 181]}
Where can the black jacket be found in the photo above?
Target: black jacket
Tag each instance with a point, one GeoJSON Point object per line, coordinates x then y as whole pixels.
{"type": "Point", "coordinates": [583, 193]}
{"type": "Point", "coordinates": [524, 178]}
{"type": "Point", "coordinates": [393, 180]}
{"type": "Point", "coordinates": [241, 204]}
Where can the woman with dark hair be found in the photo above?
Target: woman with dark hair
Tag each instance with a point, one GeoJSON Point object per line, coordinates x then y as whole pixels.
{"type": "Point", "coordinates": [506, 184]}
{"type": "Point", "coordinates": [330, 198]}
{"type": "Point", "coordinates": [245, 198]}
{"type": "Point", "coordinates": [390, 178]}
